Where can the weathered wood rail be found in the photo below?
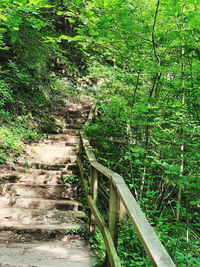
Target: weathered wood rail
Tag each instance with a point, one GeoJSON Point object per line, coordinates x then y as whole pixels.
{"type": "Point", "coordinates": [118, 193]}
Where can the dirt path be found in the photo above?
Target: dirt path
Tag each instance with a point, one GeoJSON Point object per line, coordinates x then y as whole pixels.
{"type": "Point", "coordinates": [35, 203]}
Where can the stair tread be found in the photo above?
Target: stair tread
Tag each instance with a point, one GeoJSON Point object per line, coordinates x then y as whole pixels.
{"type": "Point", "coordinates": [46, 191]}
{"type": "Point", "coordinates": [63, 137]}
{"type": "Point", "coordinates": [20, 211]}
{"type": "Point", "coordinates": [21, 216]}
{"type": "Point", "coordinates": [59, 201]}
{"type": "Point", "coordinates": [46, 227]}
{"type": "Point", "coordinates": [33, 172]}
{"type": "Point", "coordinates": [35, 185]}
{"type": "Point", "coordinates": [70, 131]}
{"type": "Point", "coordinates": [36, 178]}
{"type": "Point", "coordinates": [39, 203]}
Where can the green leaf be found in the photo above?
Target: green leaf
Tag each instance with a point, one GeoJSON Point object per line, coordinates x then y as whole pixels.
{"type": "Point", "coordinates": [34, 2]}
{"type": "Point", "coordinates": [49, 39]}
{"type": "Point", "coordinates": [64, 37]}
{"type": "Point", "coordinates": [93, 33]}
{"type": "Point", "coordinates": [59, 13]}
{"type": "Point", "coordinates": [71, 20]}
{"type": "Point", "coordinates": [48, 6]}
{"type": "Point", "coordinates": [194, 203]}
{"type": "Point", "coordinates": [70, 14]}
{"type": "Point", "coordinates": [4, 18]}
{"type": "Point", "coordinates": [76, 38]}
{"type": "Point", "coordinates": [13, 38]}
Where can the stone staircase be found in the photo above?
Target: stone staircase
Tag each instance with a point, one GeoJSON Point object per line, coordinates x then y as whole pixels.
{"type": "Point", "coordinates": [34, 192]}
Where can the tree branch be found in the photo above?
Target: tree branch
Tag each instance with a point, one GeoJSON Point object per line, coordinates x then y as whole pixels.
{"type": "Point", "coordinates": [153, 37]}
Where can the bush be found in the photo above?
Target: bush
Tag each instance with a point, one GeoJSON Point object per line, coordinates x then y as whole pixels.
{"type": "Point", "coordinates": [6, 98]}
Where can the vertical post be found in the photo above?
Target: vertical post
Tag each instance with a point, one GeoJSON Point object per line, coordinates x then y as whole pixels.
{"type": "Point", "coordinates": [114, 210]}
{"type": "Point", "coordinates": [94, 194]}
{"type": "Point", "coordinates": [122, 210]}
{"type": "Point", "coordinates": [80, 146]}
{"type": "Point", "coordinates": [113, 218]}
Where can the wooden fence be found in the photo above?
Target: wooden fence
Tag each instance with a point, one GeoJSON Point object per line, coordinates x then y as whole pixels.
{"type": "Point", "coordinates": [118, 194]}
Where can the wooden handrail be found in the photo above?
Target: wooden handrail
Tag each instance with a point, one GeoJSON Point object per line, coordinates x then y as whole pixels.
{"type": "Point", "coordinates": [119, 192]}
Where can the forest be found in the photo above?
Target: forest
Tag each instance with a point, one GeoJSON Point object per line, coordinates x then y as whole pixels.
{"type": "Point", "coordinates": [140, 61]}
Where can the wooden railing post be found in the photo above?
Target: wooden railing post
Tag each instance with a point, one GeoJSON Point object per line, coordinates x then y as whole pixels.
{"type": "Point", "coordinates": [114, 210]}
{"type": "Point", "coordinates": [80, 147]}
{"type": "Point", "coordinates": [122, 210]}
{"type": "Point", "coordinates": [113, 218]}
{"type": "Point", "coordinates": [94, 194]}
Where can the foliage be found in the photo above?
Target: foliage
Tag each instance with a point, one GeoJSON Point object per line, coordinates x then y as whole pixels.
{"type": "Point", "coordinates": [82, 232]}
{"type": "Point", "coordinates": [15, 134]}
{"type": "Point", "coordinates": [15, 14]}
{"type": "Point", "coordinates": [6, 98]}
{"type": "Point", "coordinates": [98, 246]}
{"type": "Point", "coordinates": [130, 249]}
{"type": "Point", "coordinates": [152, 172]}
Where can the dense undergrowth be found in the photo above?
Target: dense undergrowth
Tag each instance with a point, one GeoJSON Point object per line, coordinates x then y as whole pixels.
{"type": "Point", "coordinates": [31, 106]}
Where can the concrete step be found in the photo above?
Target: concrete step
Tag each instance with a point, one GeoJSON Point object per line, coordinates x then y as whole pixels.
{"type": "Point", "coordinates": [42, 166]}
{"type": "Point", "coordinates": [24, 170]}
{"type": "Point", "coordinates": [55, 167]}
{"type": "Point", "coordinates": [70, 131]}
{"type": "Point", "coordinates": [68, 142]}
{"type": "Point", "coordinates": [31, 250]}
{"type": "Point", "coordinates": [47, 153]}
{"type": "Point", "coordinates": [12, 217]}
{"type": "Point", "coordinates": [34, 176]}
{"type": "Point", "coordinates": [71, 139]}
{"type": "Point", "coordinates": [39, 203]}
{"type": "Point", "coordinates": [57, 191]}
{"type": "Point", "coordinates": [48, 166]}
{"type": "Point", "coordinates": [46, 178]}
{"type": "Point", "coordinates": [20, 216]}
{"type": "Point", "coordinates": [79, 106]}
{"type": "Point", "coordinates": [79, 121]}
{"type": "Point", "coordinates": [74, 125]}
{"type": "Point", "coordinates": [77, 113]}
{"type": "Point", "coordinates": [61, 165]}
{"type": "Point", "coordinates": [16, 226]}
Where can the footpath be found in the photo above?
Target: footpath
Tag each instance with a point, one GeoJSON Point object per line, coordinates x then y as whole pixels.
{"type": "Point", "coordinates": [37, 202]}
